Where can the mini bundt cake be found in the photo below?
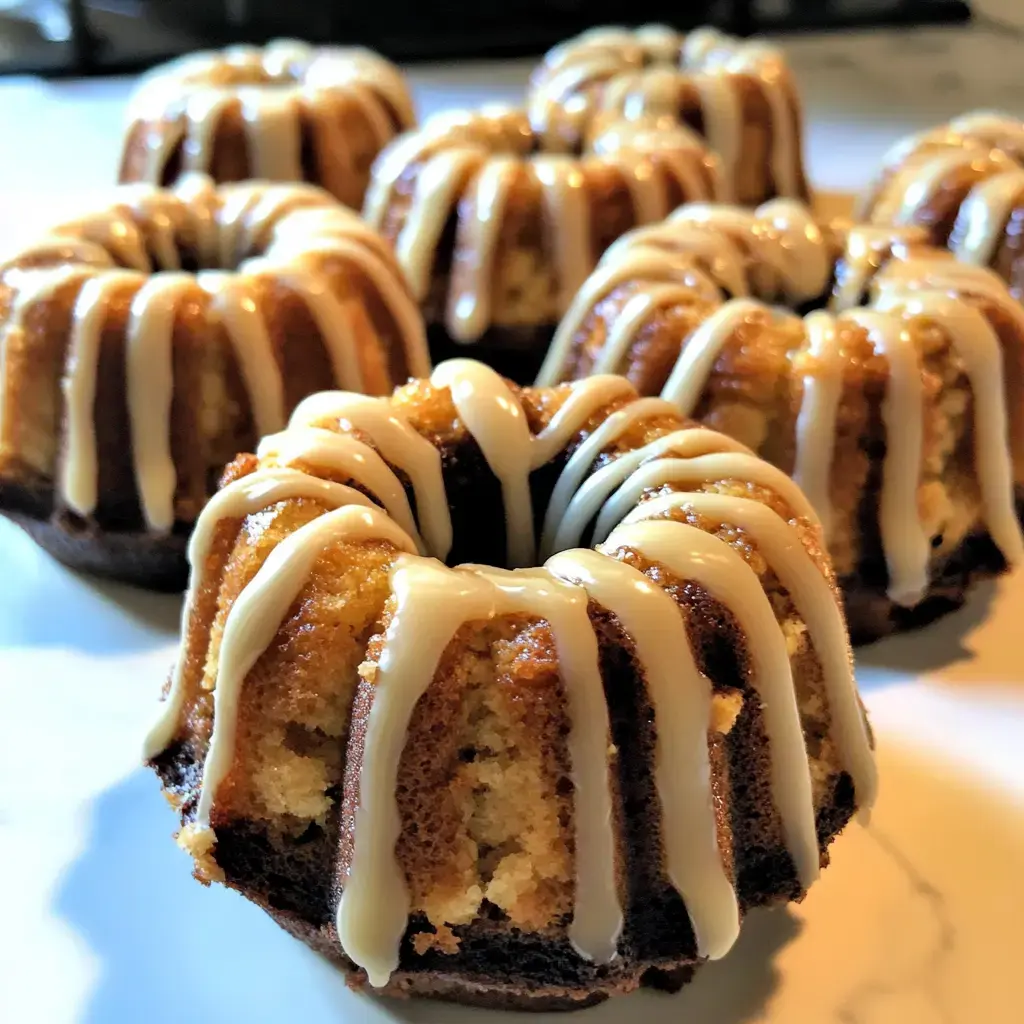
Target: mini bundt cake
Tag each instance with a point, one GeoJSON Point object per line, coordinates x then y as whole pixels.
{"type": "Point", "coordinates": [964, 184]}
{"type": "Point", "coordinates": [738, 94]}
{"type": "Point", "coordinates": [496, 235]}
{"type": "Point", "coordinates": [284, 112]}
{"type": "Point", "coordinates": [896, 402]}
{"type": "Point", "coordinates": [511, 786]}
{"type": "Point", "coordinates": [146, 344]}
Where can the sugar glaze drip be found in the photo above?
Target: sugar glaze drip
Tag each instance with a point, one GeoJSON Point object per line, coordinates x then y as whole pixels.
{"type": "Point", "coordinates": [432, 602]}
{"type": "Point", "coordinates": [134, 250]}
{"type": "Point", "coordinates": [272, 91]}
{"type": "Point", "coordinates": [643, 75]}
{"type": "Point", "coordinates": [779, 252]}
{"type": "Point", "coordinates": [469, 164]}
{"type": "Point", "coordinates": [983, 153]}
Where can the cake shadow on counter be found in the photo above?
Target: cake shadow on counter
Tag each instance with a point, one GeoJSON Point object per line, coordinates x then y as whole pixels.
{"type": "Point", "coordinates": [157, 942]}
{"type": "Point", "coordinates": [50, 606]}
{"type": "Point", "coordinates": [131, 898]}
{"type": "Point", "coordinates": [938, 645]}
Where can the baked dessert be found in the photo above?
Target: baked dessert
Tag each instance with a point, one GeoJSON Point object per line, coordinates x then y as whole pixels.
{"type": "Point", "coordinates": [511, 786]}
{"type": "Point", "coordinates": [496, 234]}
{"type": "Point", "coordinates": [738, 94]}
{"type": "Point", "coordinates": [144, 345]}
{"type": "Point", "coordinates": [283, 112]}
{"type": "Point", "coordinates": [884, 375]}
{"type": "Point", "coordinates": [964, 184]}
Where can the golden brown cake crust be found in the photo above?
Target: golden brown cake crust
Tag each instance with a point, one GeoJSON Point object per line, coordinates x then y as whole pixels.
{"type": "Point", "coordinates": [307, 114]}
{"type": "Point", "coordinates": [963, 184]}
{"type": "Point", "coordinates": [858, 294]}
{"type": "Point", "coordinates": [738, 94]}
{"type": "Point", "coordinates": [482, 792]}
{"type": "Point", "coordinates": [144, 345]}
{"type": "Point", "coordinates": [510, 230]}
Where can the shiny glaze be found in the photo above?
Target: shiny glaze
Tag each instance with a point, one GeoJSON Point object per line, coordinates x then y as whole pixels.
{"type": "Point", "coordinates": [468, 164]}
{"type": "Point", "coordinates": [133, 251]}
{"type": "Point", "coordinates": [274, 91]}
{"type": "Point", "coordinates": [642, 75]}
{"type": "Point", "coordinates": [432, 601]}
{"type": "Point", "coordinates": [778, 252]}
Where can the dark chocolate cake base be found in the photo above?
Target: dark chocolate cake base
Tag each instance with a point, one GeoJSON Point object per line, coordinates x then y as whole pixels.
{"type": "Point", "coordinates": [143, 559]}
{"type": "Point", "coordinates": [871, 615]}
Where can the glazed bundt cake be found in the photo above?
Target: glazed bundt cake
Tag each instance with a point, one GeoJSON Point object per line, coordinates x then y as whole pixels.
{"type": "Point", "coordinates": [506, 785]}
{"type": "Point", "coordinates": [284, 112]}
{"type": "Point", "coordinates": [495, 234]}
{"type": "Point", "coordinates": [964, 184]}
{"type": "Point", "coordinates": [738, 94]}
{"type": "Point", "coordinates": [897, 401]}
{"type": "Point", "coordinates": [144, 345]}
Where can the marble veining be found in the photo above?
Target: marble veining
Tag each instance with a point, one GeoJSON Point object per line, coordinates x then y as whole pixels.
{"type": "Point", "coordinates": [926, 975]}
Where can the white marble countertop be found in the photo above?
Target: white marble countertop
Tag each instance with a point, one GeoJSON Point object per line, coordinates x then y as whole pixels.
{"type": "Point", "coordinates": [917, 921]}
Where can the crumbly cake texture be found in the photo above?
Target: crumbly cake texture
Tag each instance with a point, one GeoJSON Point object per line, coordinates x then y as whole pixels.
{"type": "Point", "coordinates": [496, 232]}
{"type": "Point", "coordinates": [485, 792]}
{"type": "Point", "coordinates": [284, 112]}
{"type": "Point", "coordinates": [963, 184]}
{"type": "Point", "coordinates": [143, 345]}
{"type": "Point", "coordinates": [890, 390]}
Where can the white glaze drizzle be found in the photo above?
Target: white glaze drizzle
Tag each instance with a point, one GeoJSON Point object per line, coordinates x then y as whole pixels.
{"type": "Point", "coordinates": [982, 217]}
{"type": "Point", "coordinates": [591, 498]}
{"type": "Point", "coordinates": [579, 464]}
{"type": "Point", "coordinates": [234, 300]}
{"type": "Point", "coordinates": [149, 374]}
{"type": "Point", "coordinates": [681, 695]}
{"type": "Point", "coordinates": [640, 76]}
{"type": "Point", "coordinates": [273, 91]}
{"type": "Point", "coordinates": [495, 419]}
{"type": "Point", "coordinates": [470, 311]}
{"type": "Point", "coordinates": [986, 145]}
{"type": "Point", "coordinates": [779, 248]}
{"type": "Point", "coordinates": [640, 263]}
{"type": "Point", "coordinates": [702, 350]}
{"type": "Point", "coordinates": [218, 224]}
{"type": "Point", "coordinates": [635, 313]}
{"type": "Point", "coordinates": [333, 319]}
{"type": "Point", "coordinates": [903, 537]}
{"type": "Point", "coordinates": [584, 401]}
{"type": "Point", "coordinates": [815, 602]}
{"type": "Point", "coordinates": [723, 113]}
{"type": "Point", "coordinates": [35, 286]}
{"type": "Point", "coordinates": [729, 580]}
{"type": "Point", "coordinates": [258, 612]}
{"type": "Point", "coordinates": [819, 409]}
{"type": "Point", "coordinates": [399, 444]}
{"type": "Point", "coordinates": [781, 238]}
{"type": "Point", "coordinates": [976, 343]}
{"type": "Point", "coordinates": [79, 471]}
{"type": "Point", "coordinates": [241, 498]}
{"type": "Point", "coordinates": [563, 188]}
{"type": "Point", "coordinates": [433, 602]}
{"type": "Point", "coordinates": [464, 164]}
{"type": "Point", "coordinates": [693, 471]}
{"type": "Point", "coordinates": [341, 453]}
{"type": "Point", "coordinates": [437, 191]}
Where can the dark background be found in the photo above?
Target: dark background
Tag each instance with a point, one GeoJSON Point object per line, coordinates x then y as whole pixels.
{"type": "Point", "coordinates": [81, 37]}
